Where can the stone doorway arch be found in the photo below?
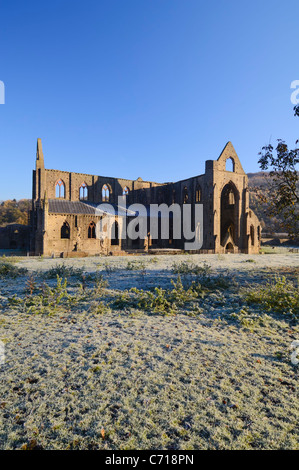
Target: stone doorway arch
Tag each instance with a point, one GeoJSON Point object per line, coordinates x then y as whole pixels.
{"type": "Point", "coordinates": [229, 248]}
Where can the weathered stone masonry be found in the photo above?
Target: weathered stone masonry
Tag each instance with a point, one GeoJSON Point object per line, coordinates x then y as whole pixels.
{"type": "Point", "coordinates": [63, 217]}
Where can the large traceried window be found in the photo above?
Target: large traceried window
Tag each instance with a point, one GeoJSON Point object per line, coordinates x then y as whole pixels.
{"type": "Point", "coordinates": [60, 189]}
{"type": "Point", "coordinates": [229, 213]}
{"type": "Point", "coordinates": [105, 193]}
{"type": "Point", "coordinates": [83, 192]}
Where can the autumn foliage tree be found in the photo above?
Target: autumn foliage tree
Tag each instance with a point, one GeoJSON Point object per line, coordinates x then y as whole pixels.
{"type": "Point", "coordinates": [283, 180]}
{"type": "Point", "coordinates": [12, 211]}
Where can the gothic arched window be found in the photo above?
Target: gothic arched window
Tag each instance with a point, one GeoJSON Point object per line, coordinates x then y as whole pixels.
{"type": "Point", "coordinates": [92, 230]}
{"type": "Point", "coordinates": [65, 231]}
{"type": "Point", "coordinates": [60, 189]}
{"type": "Point", "coordinates": [105, 193]}
{"type": "Point", "coordinates": [126, 191]}
{"type": "Point", "coordinates": [114, 234]}
{"type": "Point", "coordinates": [230, 164]}
{"type": "Point", "coordinates": [198, 194]}
{"type": "Point", "coordinates": [83, 192]}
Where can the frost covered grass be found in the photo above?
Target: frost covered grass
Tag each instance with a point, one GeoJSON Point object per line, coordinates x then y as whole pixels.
{"type": "Point", "coordinates": [8, 269]}
{"type": "Point", "coordinates": [174, 352]}
{"type": "Point", "coordinates": [280, 295]}
{"type": "Point", "coordinates": [63, 270]}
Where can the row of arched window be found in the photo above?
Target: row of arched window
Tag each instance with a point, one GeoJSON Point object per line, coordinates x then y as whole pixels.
{"type": "Point", "coordinates": [83, 191]}
{"type": "Point", "coordinates": [65, 232]}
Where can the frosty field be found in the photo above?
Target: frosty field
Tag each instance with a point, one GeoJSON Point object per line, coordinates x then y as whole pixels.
{"type": "Point", "coordinates": [150, 352]}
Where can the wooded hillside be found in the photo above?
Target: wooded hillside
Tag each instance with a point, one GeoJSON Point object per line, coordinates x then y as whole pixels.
{"type": "Point", "coordinates": [12, 211]}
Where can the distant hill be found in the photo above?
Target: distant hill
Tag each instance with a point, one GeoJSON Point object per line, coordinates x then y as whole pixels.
{"type": "Point", "coordinates": [12, 211]}
{"type": "Point", "coordinates": [257, 183]}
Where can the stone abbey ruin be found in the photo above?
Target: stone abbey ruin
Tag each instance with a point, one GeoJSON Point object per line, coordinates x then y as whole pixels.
{"type": "Point", "coordinates": [64, 217]}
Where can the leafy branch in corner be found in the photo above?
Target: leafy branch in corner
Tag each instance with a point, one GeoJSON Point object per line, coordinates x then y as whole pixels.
{"type": "Point", "coordinates": [283, 180]}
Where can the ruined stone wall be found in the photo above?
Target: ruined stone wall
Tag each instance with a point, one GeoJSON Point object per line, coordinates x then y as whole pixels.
{"type": "Point", "coordinates": [73, 181]}
{"type": "Point", "coordinates": [78, 240]}
{"type": "Point", "coordinates": [209, 189]}
{"type": "Point", "coordinates": [14, 237]}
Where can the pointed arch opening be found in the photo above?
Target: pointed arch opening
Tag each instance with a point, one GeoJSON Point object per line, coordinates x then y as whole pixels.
{"type": "Point", "coordinates": [105, 193]}
{"type": "Point", "coordinates": [83, 192]}
{"type": "Point", "coordinates": [60, 189]}
{"type": "Point", "coordinates": [198, 194]}
{"type": "Point", "coordinates": [229, 214]}
{"type": "Point", "coordinates": [229, 248]}
{"type": "Point", "coordinates": [230, 164]}
{"type": "Point", "coordinates": [114, 234]}
{"type": "Point", "coordinates": [126, 191]}
{"type": "Point", "coordinates": [65, 232]}
{"type": "Point", "coordinates": [92, 230]}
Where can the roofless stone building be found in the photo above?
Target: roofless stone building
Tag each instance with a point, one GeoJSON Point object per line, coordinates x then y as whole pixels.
{"type": "Point", "coordinates": [64, 216]}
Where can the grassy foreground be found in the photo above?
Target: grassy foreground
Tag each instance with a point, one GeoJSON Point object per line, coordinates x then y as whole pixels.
{"type": "Point", "coordinates": [148, 353]}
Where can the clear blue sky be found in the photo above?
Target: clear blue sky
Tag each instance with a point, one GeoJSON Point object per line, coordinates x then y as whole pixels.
{"type": "Point", "coordinates": [148, 88]}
